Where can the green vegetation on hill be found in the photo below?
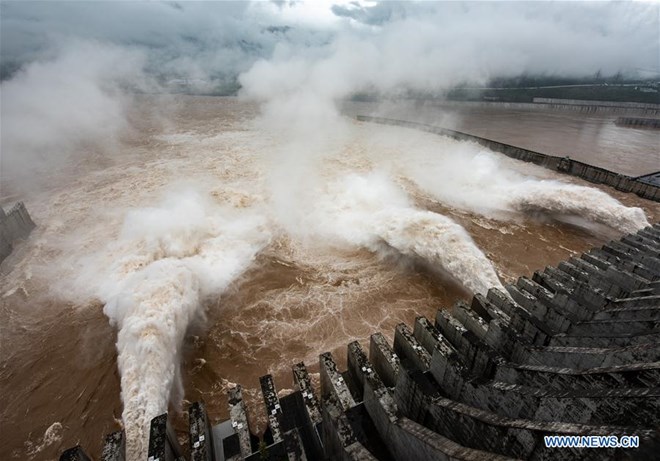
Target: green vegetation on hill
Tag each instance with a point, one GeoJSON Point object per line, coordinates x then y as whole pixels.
{"type": "Point", "coordinates": [596, 93]}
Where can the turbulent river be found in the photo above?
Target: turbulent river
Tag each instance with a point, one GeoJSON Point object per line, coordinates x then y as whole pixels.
{"type": "Point", "coordinates": [206, 250]}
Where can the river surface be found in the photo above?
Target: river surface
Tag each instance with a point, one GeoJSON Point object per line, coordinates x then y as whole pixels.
{"type": "Point", "coordinates": [305, 290]}
{"type": "Point", "coordinates": [592, 138]}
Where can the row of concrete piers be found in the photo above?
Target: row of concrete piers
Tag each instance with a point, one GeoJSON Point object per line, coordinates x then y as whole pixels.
{"type": "Point", "coordinates": [573, 350]}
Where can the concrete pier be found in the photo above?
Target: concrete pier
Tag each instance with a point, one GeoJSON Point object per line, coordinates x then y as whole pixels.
{"type": "Point", "coordinates": [15, 224]}
{"type": "Point", "coordinates": [114, 448]}
{"type": "Point", "coordinates": [200, 439]}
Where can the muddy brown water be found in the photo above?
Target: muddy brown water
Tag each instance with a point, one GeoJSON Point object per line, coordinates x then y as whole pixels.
{"type": "Point", "coordinates": [593, 138]}
{"type": "Point", "coordinates": [59, 384]}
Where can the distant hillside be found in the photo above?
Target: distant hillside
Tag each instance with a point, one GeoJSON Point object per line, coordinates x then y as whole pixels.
{"type": "Point", "coordinates": [526, 88]}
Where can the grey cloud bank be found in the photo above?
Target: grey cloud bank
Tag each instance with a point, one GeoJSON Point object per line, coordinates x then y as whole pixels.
{"type": "Point", "coordinates": [216, 39]}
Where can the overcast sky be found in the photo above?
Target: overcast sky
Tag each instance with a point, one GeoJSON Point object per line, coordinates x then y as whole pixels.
{"type": "Point", "coordinates": [476, 40]}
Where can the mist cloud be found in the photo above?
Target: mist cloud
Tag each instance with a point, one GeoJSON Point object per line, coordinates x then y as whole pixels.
{"type": "Point", "coordinates": [393, 47]}
{"type": "Point", "coordinates": [52, 107]}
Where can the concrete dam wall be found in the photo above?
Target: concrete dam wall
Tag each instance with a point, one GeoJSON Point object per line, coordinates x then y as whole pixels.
{"type": "Point", "coordinates": [573, 105]}
{"type": "Point", "coordinates": [638, 122]}
{"type": "Point", "coordinates": [14, 224]}
{"type": "Point", "coordinates": [574, 350]}
{"type": "Point", "coordinates": [594, 174]}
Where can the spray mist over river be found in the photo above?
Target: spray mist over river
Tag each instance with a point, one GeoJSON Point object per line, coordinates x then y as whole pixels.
{"type": "Point", "coordinates": [221, 249]}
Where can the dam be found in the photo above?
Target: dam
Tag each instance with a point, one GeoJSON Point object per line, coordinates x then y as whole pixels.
{"type": "Point", "coordinates": [573, 350]}
{"type": "Point", "coordinates": [302, 301]}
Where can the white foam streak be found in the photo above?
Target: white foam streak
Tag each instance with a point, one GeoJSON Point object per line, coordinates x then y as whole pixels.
{"type": "Point", "coordinates": [168, 260]}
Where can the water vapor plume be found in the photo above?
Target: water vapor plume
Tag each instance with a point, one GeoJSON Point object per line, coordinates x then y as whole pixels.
{"type": "Point", "coordinates": [168, 260]}
{"type": "Point", "coordinates": [65, 108]}
{"type": "Point", "coordinates": [369, 210]}
{"type": "Point", "coordinates": [463, 175]}
{"type": "Point", "coordinates": [299, 87]}
{"type": "Point", "coordinates": [415, 44]}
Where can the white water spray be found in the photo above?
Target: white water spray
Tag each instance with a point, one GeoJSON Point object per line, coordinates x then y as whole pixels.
{"type": "Point", "coordinates": [169, 259]}
{"type": "Point", "coordinates": [556, 198]}
{"type": "Point", "coordinates": [369, 210]}
{"type": "Point", "coordinates": [463, 175]}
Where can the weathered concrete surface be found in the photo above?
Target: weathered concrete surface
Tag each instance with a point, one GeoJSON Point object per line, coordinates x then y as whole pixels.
{"type": "Point", "coordinates": [333, 384]}
{"type": "Point", "coordinates": [304, 385]}
{"type": "Point", "coordinates": [239, 421]}
{"type": "Point", "coordinates": [653, 178]}
{"type": "Point", "coordinates": [574, 105]}
{"type": "Point", "coordinates": [163, 444]}
{"type": "Point", "coordinates": [273, 407]}
{"type": "Point", "coordinates": [384, 359]}
{"type": "Point", "coordinates": [200, 435]}
{"type": "Point", "coordinates": [595, 106]}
